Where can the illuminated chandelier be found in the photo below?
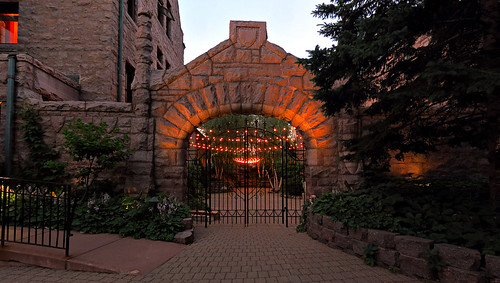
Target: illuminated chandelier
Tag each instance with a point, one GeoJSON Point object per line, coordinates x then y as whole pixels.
{"type": "Point", "coordinates": [251, 160]}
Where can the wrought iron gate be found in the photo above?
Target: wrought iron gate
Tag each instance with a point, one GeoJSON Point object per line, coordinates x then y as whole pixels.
{"type": "Point", "coordinates": [246, 175]}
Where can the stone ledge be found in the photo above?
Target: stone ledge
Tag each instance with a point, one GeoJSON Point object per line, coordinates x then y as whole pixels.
{"type": "Point", "coordinates": [405, 253]}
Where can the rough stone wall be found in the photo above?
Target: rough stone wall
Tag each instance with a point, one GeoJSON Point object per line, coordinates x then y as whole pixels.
{"type": "Point", "coordinates": [74, 37]}
{"type": "Point", "coordinates": [33, 82]}
{"type": "Point", "coordinates": [172, 47]}
{"type": "Point", "coordinates": [242, 75]}
{"type": "Point", "coordinates": [55, 116]}
{"type": "Point", "coordinates": [407, 254]}
{"type": "Point", "coordinates": [80, 38]}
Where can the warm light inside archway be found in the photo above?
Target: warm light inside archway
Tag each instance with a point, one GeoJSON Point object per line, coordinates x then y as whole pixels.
{"type": "Point", "coordinates": [252, 160]}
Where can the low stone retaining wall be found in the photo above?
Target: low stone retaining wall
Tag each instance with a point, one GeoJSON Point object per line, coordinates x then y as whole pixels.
{"type": "Point", "coordinates": [406, 253]}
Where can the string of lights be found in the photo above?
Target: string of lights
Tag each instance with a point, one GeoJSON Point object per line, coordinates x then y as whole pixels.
{"type": "Point", "coordinates": [252, 143]}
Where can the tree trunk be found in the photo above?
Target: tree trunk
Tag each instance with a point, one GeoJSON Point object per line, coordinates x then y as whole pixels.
{"type": "Point", "coordinates": [490, 16]}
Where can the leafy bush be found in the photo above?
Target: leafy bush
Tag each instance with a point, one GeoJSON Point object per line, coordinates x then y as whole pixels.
{"type": "Point", "coordinates": [155, 218]}
{"type": "Point", "coordinates": [95, 149]}
{"type": "Point", "coordinates": [369, 254]}
{"type": "Point", "coordinates": [446, 211]}
{"type": "Point", "coordinates": [43, 164]}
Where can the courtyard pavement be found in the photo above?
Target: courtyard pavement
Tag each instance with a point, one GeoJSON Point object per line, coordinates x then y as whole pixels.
{"type": "Point", "coordinates": [220, 253]}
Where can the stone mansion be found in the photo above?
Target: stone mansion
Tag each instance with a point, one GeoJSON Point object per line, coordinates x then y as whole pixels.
{"type": "Point", "coordinates": [121, 61]}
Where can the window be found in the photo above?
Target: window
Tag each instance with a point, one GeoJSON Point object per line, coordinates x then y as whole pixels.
{"type": "Point", "coordinates": [165, 16]}
{"type": "Point", "coordinates": [159, 58]}
{"type": "Point", "coordinates": [9, 19]}
{"type": "Point", "coordinates": [132, 9]}
{"type": "Point", "coordinates": [169, 18]}
{"type": "Point", "coordinates": [162, 13]}
{"type": "Point", "coordinates": [130, 74]}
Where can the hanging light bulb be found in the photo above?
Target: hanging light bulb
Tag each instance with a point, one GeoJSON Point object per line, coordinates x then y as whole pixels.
{"type": "Point", "coordinates": [251, 160]}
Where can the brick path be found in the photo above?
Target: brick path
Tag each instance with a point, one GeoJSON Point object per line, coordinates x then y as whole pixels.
{"type": "Point", "coordinates": [226, 253]}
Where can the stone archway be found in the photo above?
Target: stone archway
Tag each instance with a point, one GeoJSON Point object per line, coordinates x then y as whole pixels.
{"type": "Point", "coordinates": [245, 74]}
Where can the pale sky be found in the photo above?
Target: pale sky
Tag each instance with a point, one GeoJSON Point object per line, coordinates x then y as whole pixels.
{"type": "Point", "coordinates": [290, 23]}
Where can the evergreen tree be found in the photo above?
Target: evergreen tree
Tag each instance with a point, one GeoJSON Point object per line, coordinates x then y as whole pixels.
{"type": "Point", "coordinates": [429, 71]}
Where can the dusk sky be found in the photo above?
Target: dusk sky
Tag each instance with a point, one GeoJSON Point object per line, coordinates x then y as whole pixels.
{"type": "Point", "coordinates": [290, 23]}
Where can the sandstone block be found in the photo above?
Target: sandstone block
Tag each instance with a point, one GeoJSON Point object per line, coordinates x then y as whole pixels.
{"type": "Point", "coordinates": [387, 257]}
{"type": "Point", "coordinates": [456, 275]}
{"type": "Point", "coordinates": [412, 246]}
{"type": "Point", "coordinates": [326, 235]}
{"type": "Point", "coordinates": [358, 233]}
{"type": "Point", "coordinates": [187, 223]}
{"type": "Point", "coordinates": [493, 265]}
{"type": "Point", "coordinates": [139, 168]}
{"type": "Point", "coordinates": [342, 241]}
{"type": "Point", "coordinates": [459, 257]}
{"type": "Point", "coordinates": [200, 66]}
{"type": "Point", "coordinates": [313, 230]}
{"type": "Point", "coordinates": [414, 266]}
{"type": "Point", "coordinates": [184, 237]}
{"type": "Point", "coordinates": [381, 238]}
{"type": "Point", "coordinates": [336, 226]}
{"type": "Point", "coordinates": [267, 56]}
{"type": "Point", "coordinates": [317, 218]}
{"type": "Point", "coordinates": [358, 246]}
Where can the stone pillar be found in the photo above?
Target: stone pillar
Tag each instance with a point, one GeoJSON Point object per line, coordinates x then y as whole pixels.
{"type": "Point", "coordinates": [141, 99]}
{"type": "Point", "coordinates": [140, 174]}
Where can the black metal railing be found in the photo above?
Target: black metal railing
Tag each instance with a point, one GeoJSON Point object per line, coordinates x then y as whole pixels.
{"type": "Point", "coordinates": [36, 213]}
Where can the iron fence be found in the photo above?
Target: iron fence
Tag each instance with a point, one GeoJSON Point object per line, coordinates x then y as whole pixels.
{"type": "Point", "coordinates": [36, 213]}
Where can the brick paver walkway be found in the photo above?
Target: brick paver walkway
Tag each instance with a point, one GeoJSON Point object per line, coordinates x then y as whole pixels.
{"type": "Point", "coordinates": [232, 253]}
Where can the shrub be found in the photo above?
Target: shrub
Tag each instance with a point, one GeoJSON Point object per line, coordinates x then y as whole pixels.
{"type": "Point", "coordinates": [156, 218]}
{"type": "Point", "coordinates": [95, 149]}
{"type": "Point", "coordinates": [447, 211]}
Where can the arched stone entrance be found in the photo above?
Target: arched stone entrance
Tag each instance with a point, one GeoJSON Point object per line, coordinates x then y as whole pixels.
{"type": "Point", "coordinates": [245, 74]}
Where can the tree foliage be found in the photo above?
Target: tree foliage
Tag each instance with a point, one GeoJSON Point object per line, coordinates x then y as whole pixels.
{"type": "Point", "coordinates": [94, 148]}
{"type": "Point", "coordinates": [425, 67]}
{"type": "Point", "coordinates": [428, 71]}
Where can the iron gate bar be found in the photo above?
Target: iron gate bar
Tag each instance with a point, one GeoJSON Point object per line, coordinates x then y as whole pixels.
{"type": "Point", "coordinates": [234, 192]}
